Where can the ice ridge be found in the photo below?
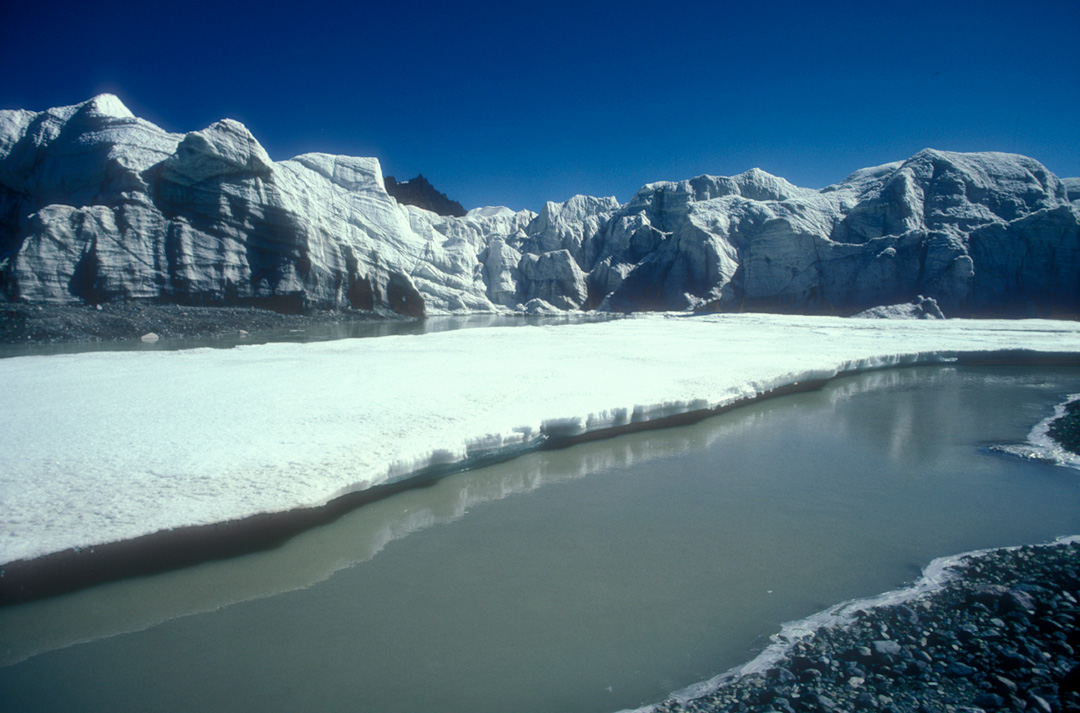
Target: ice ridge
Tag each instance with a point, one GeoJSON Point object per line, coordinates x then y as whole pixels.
{"type": "Point", "coordinates": [253, 437]}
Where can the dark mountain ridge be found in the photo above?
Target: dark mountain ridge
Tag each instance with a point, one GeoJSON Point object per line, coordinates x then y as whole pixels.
{"type": "Point", "coordinates": [420, 193]}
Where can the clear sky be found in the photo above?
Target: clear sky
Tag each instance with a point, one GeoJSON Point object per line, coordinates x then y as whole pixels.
{"type": "Point", "coordinates": [516, 103]}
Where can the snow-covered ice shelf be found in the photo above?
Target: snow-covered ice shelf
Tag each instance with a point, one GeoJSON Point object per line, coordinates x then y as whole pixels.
{"type": "Point", "coordinates": [101, 447]}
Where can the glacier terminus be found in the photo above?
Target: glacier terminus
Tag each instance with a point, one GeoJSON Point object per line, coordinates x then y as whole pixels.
{"type": "Point", "coordinates": [99, 205]}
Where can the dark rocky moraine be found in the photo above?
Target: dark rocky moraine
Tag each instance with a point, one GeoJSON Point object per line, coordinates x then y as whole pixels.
{"type": "Point", "coordinates": [1002, 635]}
{"type": "Point", "coordinates": [28, 324]}
{"type": "Point", "coordinates": [1066, 429]}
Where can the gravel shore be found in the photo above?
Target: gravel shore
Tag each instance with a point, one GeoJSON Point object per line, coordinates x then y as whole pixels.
{"type": "Point", "coordinates": [1001, 635]}
{"type": "Point", "coordinates": [1066, 430]}
{"type": "Point", "coordinates": [25, 324]}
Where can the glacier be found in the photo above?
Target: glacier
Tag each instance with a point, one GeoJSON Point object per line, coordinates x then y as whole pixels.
{"type": "Point", "coordinates": [97, 204]}
{"type": "Point", "coordinates": [104, 447]}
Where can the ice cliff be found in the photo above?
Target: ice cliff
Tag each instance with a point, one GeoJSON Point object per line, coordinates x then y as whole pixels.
{"type": "Point", "coordinates": [97, 204]}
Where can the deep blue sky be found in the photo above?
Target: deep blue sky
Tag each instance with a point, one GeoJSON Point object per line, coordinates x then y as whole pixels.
{"type": "Point", "coordinates": [518, 103]}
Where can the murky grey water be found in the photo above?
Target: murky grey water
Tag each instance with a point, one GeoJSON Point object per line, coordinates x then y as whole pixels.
{"type": "Point", "coordinates": [593, 578]}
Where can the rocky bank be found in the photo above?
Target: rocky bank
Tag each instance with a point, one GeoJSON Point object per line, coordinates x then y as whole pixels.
{"type": "Point", "coordinates": [1003, 634]}
{"type": "Point", "coordinates": [31, 325]}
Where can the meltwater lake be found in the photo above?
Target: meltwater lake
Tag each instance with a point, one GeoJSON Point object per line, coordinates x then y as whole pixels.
{"type": "Point", "coordinates": [593, 578]}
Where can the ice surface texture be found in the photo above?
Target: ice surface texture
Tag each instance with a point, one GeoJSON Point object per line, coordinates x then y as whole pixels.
{"type": "Point", "coordinates": [96, 204]}
{"type": "Point", "coordinates": [101, 447]}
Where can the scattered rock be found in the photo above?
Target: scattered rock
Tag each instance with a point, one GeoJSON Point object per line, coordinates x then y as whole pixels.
{"type": "Point", "coordinates": [1066, 429]}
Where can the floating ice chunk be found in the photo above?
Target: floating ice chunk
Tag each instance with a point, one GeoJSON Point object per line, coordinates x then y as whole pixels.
{"type": "Point", "coordinates": [919, 308]}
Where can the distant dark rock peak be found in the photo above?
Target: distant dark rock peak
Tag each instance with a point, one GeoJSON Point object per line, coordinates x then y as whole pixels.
{"type": "Point", "coordinates": [420, 193]}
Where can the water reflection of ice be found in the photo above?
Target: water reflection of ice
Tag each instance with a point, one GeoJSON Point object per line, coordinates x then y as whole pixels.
{"type": "Point", "coordinates": [314, 556]}
{"type": "Point", "coordinates": [359, 536]}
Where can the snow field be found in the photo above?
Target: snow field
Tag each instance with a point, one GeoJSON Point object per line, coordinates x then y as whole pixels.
{"type": "Point", "coordinates": [101, 447]}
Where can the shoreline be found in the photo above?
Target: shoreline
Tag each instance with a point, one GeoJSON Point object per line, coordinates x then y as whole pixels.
{"type": "Point", "coordinates": [1065, 430]}
{"type": "Point", "coordinates": [70, 570]}
{"type": "Point", "coordinates": [982, 631]}
{"type": "Point", "coordinates": [77, 568]}
{"type": "Point", "coordinates": [127, 322]}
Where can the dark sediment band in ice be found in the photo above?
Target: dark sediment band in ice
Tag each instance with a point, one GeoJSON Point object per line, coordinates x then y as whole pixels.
{"type": "Point", "coordinates": [78, 568]}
